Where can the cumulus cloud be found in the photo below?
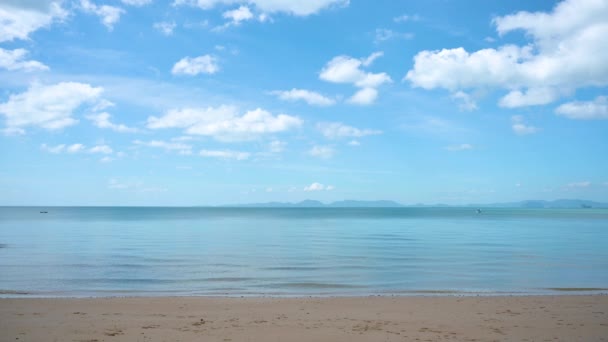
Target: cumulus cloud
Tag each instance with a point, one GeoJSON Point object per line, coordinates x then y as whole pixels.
{"type": "Point", "coordinates": [310, 97]}
{"type": "Point", "coordinates": [294, 7]}
{"type": "Point", "coordinates": [109, 15]}
{"type": "Point", "coordinates": [336, 130]}
{"type": "Point", "coordinates": [318, 187]}
{"type": "Point", "coordinates": [47, 106]}
{"type": "Point", "coordinates": [460, 147]}
{"type": "Point", "coordinates": [180, 148]}
{"type": "Point", "coordinates": [365, 96]}
{"type": "Point", "coordinates": [205, 64]}
{"type": "Point", "coordinates": [225, 154]}
{"type": "Point", "coordinates": [346, 69]}
{"type": "Point", "coordinates": [15, 60]}
{"type": "Point", "coordinates": [18, 19]}
{"type": "Point", "coordinates": [520, 127]}
{"type": "Point", "coordinates": [567, 51]}
{"type": "Point", "coordinates": [530, 97]}
{"type": "Point", "coordinates": [585, 110]}
{"type": "Point", "coordinates": [165, 27]}
{"type": "Point", "coordinates": [102, 120]}
{"type": "Point", "coordinates": [224, 122]}
{"type": "Point", "coordinates": [323, 152]}
{"type": "Point", "coordinates": [238, 15]}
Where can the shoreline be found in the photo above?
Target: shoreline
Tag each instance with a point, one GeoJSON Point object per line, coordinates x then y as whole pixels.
{"type": "Point", "coordinates": [384, 318]}
{"type": "Point", "coordinates": [566, 291]}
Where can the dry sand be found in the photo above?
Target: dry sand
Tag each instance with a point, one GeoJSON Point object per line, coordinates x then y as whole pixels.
{"type": "Point", "coordinates": [524, 318]}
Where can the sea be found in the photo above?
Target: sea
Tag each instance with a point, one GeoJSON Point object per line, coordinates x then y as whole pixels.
{"type": "Point", "coordinates": [167, 251]}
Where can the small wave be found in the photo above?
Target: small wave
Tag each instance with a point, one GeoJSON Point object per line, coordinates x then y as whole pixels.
{"type": "Point", "coordinates": [13, 292]}
{"type": "Point", "coordinates": [227, 279]}
{"type": "Point", "coordinates": [310, 285]}
{"type": "Point", "coordinates": [291, 268]}
{"type": "Point", "coordinates": [576, 289]}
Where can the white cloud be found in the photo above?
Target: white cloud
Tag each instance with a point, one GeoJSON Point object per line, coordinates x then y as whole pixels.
{"type": "Point", "coordinates": [47, 106]}
{"type": "Point", "coordinates": [109, 15]}
{"type": "Point", "coordinates": [132, 185]}
{"type": "Point", "coordinates": [345, 69]}
{"type": "Point", "coordinates": [53, 149]}
{"type": "Point", "coordinates": [363, 97]}
{"type": "Point", "coordinates": [354, 143]}
{"type": "Point", "coordinates": [14, 60]}
{"type": "Point", "coordinates": [467, 103]}
{"type": "Point", "coordinates": [75, 148]}
{"type": "Point", "coordinates": [596, 109]}
{"type": "Point", "coordinates": [225, 154]}
{"type": "Point", "coordinates": [102, 149]}
{"type": "Point", "coordinates": [18, 19]}
{"type": "Point", "coordinates": [237, 15]}
{"type": "Point", "coordinates": [584, 184]}
{"type": "Point", "coordinates": [136, 2]}
{"type": "Point", "coordinates": [406, 17]}
{"type": "Point", "coordinates": [318, 187]}
{"type": "Point", "coordinates": [165, 27]}
{"type": "Point", "coordinates": [336, 130]}
{"type": "Point", "coordinates": [225, 123]}
{"type": "Point", "coordinates": [12, 131]}
{"type": "Point", "coordinates": [277, 146]}
{"type": "Point", "coordinates": [531, 97]}
{"type": "Point", "coordinates": [294, 7]}
{"type": "Point", "coordinates": [310, 97]}
{"type": "Point", "coordinates": [383, 35]}
{"type": "Point", "coordinates": [205, 64]}
{"type": "Point", "coordinates": [460, 147]}
{"type": "Point", "coordinates": [567, 51]}
{"type": "Point", "coordinates": [323, 152]}
{"type": "Point", "coordinates": [106, 159]}
{"type": "Point", "coordinates": [101, 105]}
{"type": "Point", "coordinates": [520, 127]}
{"type": "Point", "coordinates": [102, 120]}
{"type": "Point", "coordinates": [181, 148]}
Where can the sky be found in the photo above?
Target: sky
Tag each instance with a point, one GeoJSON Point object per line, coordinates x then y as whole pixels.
{"type": "Point", "coordinates": [209, 102]}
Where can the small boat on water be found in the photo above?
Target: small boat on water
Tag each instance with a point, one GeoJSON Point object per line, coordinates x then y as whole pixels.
{"type": "Point", "coordinates": [479, 211]}
{"type": "Point", "coordinates": [44, 212]}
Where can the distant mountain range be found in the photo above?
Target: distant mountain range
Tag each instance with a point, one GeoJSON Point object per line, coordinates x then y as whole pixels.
{"type": "Point", "coordinates": [556, 204]}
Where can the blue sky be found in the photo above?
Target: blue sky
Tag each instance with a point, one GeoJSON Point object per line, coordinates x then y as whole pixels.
{"type": "Point", "coordinates": [206, 102]}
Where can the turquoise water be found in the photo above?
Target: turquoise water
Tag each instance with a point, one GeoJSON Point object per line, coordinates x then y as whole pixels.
{"type": "Point", "coordinates": [341, 251]}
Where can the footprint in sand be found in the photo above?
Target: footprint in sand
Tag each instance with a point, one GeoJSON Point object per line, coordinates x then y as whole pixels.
{"type": "Point", "coordinates": [113, 332]}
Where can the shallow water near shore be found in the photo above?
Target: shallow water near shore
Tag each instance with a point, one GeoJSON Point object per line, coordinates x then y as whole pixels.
{"type": "Point", "coordinates": [124, 251]}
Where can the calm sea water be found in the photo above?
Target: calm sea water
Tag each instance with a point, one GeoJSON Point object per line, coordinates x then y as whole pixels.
{"type": "Point", "coordinates": [230, 251]}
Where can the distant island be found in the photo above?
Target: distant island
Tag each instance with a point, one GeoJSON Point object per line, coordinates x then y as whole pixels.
{"type": "Point", "coordinates": [556, 204]}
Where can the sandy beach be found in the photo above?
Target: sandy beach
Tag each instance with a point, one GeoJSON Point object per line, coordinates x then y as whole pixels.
{"type": "Point", "coordinates": [517, 318]}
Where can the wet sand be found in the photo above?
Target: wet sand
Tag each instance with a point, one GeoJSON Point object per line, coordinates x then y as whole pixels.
{"type": "Point", "coordinates": [442, 318]}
